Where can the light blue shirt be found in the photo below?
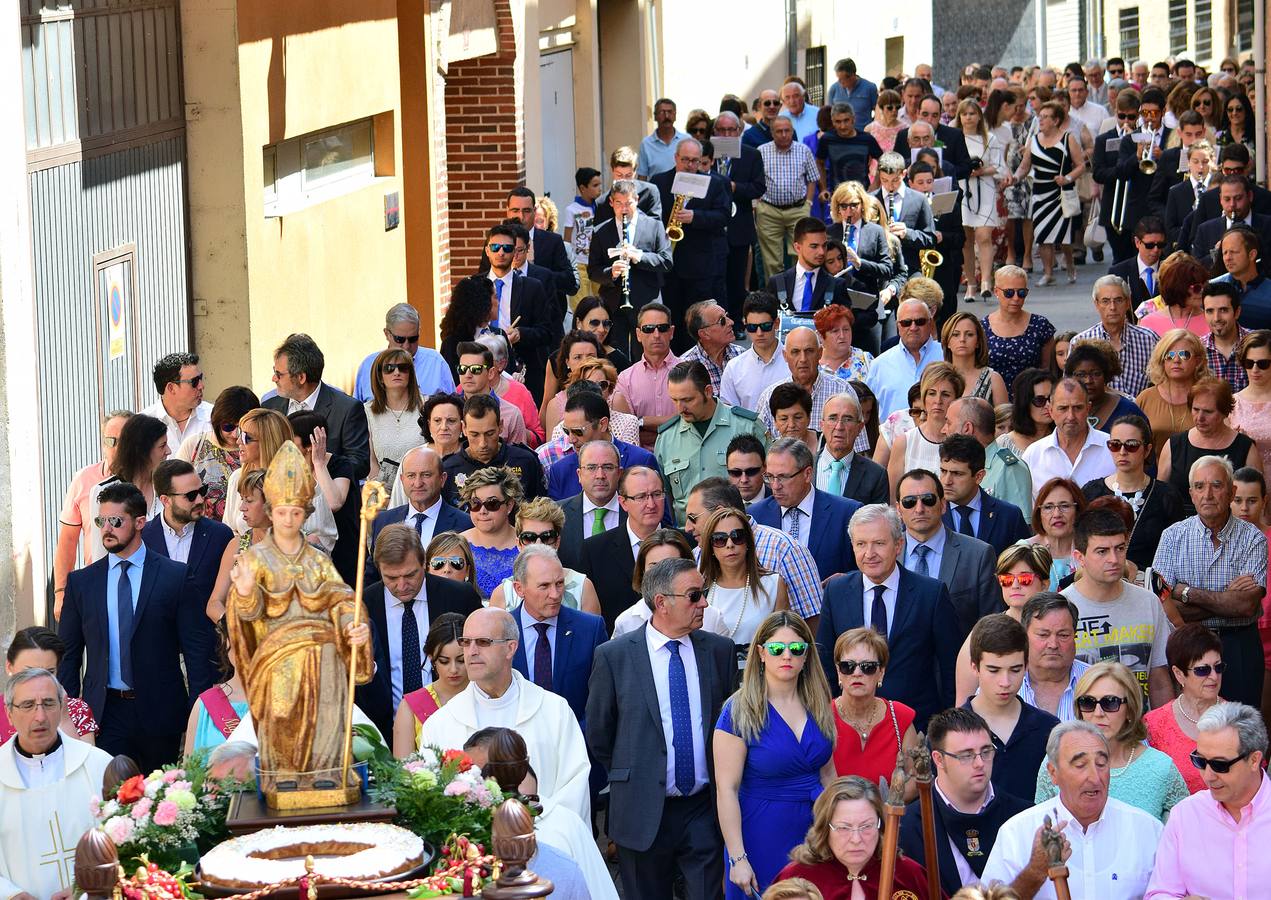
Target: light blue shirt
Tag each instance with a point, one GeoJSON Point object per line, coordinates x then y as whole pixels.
{"type": "Point", "coordinates": [1065, 711]}
{"type": "Point", "coordinates": [431, 372]}
{"type": "Point", "coordinates": [531, 639]}
{"type": "Point", "coordinates": [656, 156]}
{"type": "Point", "coordinates": [805, 122]}
{"type": "Point", "coordinates": [935, 544]}
{"type": "Point", "coordinates": [974, 505]}
{"type": "Point", "coordinates": [138, 560]}
{"type": "Point", "coordinates": [892, 373]}
{"type": "Point", "coordinates": [862, 98]}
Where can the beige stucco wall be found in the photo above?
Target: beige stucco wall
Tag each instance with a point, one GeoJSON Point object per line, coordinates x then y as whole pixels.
{"type": "Point", "coordinates": [1154, 30]}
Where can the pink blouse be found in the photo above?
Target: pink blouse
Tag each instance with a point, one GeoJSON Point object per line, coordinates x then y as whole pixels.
{"type": "Point", "coordinates": [1165, 735]}
{"type": "Point", "coordinates": [1160, 322]}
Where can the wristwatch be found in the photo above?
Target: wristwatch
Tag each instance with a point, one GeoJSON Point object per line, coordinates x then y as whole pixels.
{"type": "Point", "coordinates": [1182, 597]}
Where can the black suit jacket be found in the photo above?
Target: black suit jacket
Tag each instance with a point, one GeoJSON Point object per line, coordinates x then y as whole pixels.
{"type": "Point", "coordinates": [920, 225]}
{"type": "Point", "coordinates": [748, 185]}
{"type": "Point", "coordinates": [1210, 207]}
{"type": "Point", "coordinates": [1208, 234]}
{"type": "Point", "coordinates": [877, 268]}
{"type": "Point", "coordinates": [608, 561]}
{"type": "Point", "coordinates": [166, 628]}
{"type": "Point", "coordinates": [624, 726]}
{"type": "Point", "coordinates": [347, 433]}
{"type": "Point", "coordinates": [1166, 177]}
{"type": "Point", "coordinates": [828, 289]}
{"type": "Point", "coordinates": [648, 274]}
{"type": "Point", "coordinates": [1129, 270]}
{"type": "Point", "coordinates": [1138, 203]}
{"type": "Point", "coordinates": [1107, 148]}
{"type": "Point", "coordinates": [955, 160]}
{"type": "Point", "coordinates": [1179, 203]}
{"type": "Point", "coordinates": [866, 481]}
{"type": "Point", "coordinates": [704, 249]}
{"type": "Point", "coordinates": [1001, 523]}
{"type": "Point", "coordinates": [550, 253]}
{"type": "Point", "coordinates": [648, 201]}
{"type": "Point", "coordinates": [540, 326]}
{"type": "Point", "coordinates": [207, 546]}
{"type": "Point", "coordinates": [576, 531]}
{"type": "Point", "coordinates": [375, 698]}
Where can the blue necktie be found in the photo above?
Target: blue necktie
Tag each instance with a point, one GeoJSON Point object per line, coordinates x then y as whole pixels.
{"type": "Point", "coordinates": [921, 567]}
{"type": "Point", "coordinates": [964, 521]}
{"type": "Point", "coordinates": [1149, 281]}
{"type": "Point", "coordinates": [807, 291]}
{"type": "Point", "coordinates": [412, 668]}
{"type": "Point", "coordinates": [878, 612]}
{"type": "Point", "coordinates": [123, 603]}
{"type": "Point", "coordinates": [681, 722]}
{"type": "Point", "coordinates": [498, 298]}
{"type": "Point", "coordinates": [419, 524]}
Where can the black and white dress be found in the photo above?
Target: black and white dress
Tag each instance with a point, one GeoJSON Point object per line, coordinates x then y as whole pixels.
{"type": "Point", "coordinates": [1049, 224]}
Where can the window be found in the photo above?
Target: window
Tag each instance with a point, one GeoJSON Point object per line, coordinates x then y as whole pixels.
{"type": "Point", "coordinates": [1129, 28]}
{"type": "Point", "coordinates": [1177, 27]}
{"type": "Point", "coordinates": [814, 75]}
{"type": "Point", "coordinates": [1244, 26]}
{"type": "Point", "coordinates": [302, 171]}
{"type": "Point", "coordinates": [1204, 29]}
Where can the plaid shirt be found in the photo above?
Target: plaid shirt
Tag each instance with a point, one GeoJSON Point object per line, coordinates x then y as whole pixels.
{"type": "Point", "coordinates": [788, 173]}
{"type": "Point", "coordinates": [780, 553]}
{"type": "Point", "coordinates": [554, 450]}
{"type": "Point", "coordinates": [1226, 367]}
{"type": "Point", "coordinates": [697, 354]}
{"type": "Point", "coordinates": [1135, 350]}
{"type": "Point", "coordinates": [1186, 553]}
{"type": "Point", "coordinates": [826, 386]}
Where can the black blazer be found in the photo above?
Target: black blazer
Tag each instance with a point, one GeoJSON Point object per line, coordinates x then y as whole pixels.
{"type": "Point", "coordinates": [825, 290]}
{"type": "Point", "coordinates": [624, 726]}
{"type": "Point", "coordinates": [608, 561]}
{"type": "Point", "coordinates": [1166, 177]}
{"type": "Point", "coordinates": [1107, 148]}
{"type": "Point", "coordinates": [540, 327]}
{"type": "Point", "coordinates": [1138, 204]}
{"type": "Point", "coordinates": [866, 481]}
{"type": "Point", "coordinates": [748, 185]}
{"type": "Point", "coordinates": [648, 201]}
{"type": "Point", "coordinates": [347, 433]}
{"type": "Point", "coordinates": [923, 640]}
{"type": "Point", "coordinates": [1210, 207]}
{"type": "Point", "coordinates": [550, 253]}
{"type": "Point", "coordinates": [570, 549]}
{"type": "Point", "coordinates": [166, 629]}
{"type": "Point", "coordinates": [912, 842]}
{"type": "Point", "coordinates": [1129, 270]}
{"type": "Point", "coordinates": [204, 563]}
{"type": "Point", "coordinates": [1001, 523]}
{"type": "Point", "coordinates": [920, 225]}
{"type": "Point", "coordinates": [443, 595]}
{"type": "Point", "coordinates": [1208, 234]}
{"type": "Point", "coordinates": [448, 519]}
{"type": "Point", "coordinates": [648, 274]}
{"type": "Point", "coordinates": [1179, 203]}
{"type": "Point", "coordinates": [877, 267]}
{"type": "Point", "coordinates": [956, 161]}
{"type": "Point", "coordinates": [704, 248]}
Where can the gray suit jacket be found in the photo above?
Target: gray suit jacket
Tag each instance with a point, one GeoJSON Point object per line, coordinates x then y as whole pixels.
{"type": "Point", "coordinates": [968, 570]}
{"type": "Point", "coordinates": [624, 726]}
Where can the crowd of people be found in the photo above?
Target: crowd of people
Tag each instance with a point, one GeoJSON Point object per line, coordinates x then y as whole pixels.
{"type": "Point", "coordinates": [718, 499]}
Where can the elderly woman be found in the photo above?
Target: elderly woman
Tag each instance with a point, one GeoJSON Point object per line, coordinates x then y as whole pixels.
{"type": "Point", "coordinates": [450, 676]}
{"type": "Point", "coordinates": [1109, 696]}
{"type": "Point", "coordinates": [490, 496]}
{"type": "Point", "coordinates": [1030, 411]}
{"type": "Point", "coordinates": [870, 729]}
{"type": "Point", "coordinates": [449, 555]}
{"type": "Point", "coordinates": [919, 447]}
{"type": "Point", "coordinates": [1210, 435]}
{"type": "Point", "coordinates": [842, 851]}
{"type": "Point", "coordinates": [791, 408]}
{"type": "Point", "coordinates": [772, 748]}
{"type": "Point", "coordinates": [736, 585]}
{"type": "Point", "coordinates": [541, 521]}
{"type": "Point", "coordinates": [392, 413]}
{"type": "Point", "coordinates": [214, 454]}
{"type": "Point", "coordinates": [1095, 364]}
{"type": "Point", "coordinates": [1177, 363]}
{"type": "Point", "coordinates": [1195, 659]}
{"type": "Point", "coordinates": [838, 357]}
{"type": "Point", "coordinates": [966, 348]}
{"type": "Point", "coordinates": [1055, 159]}
{"type": "Point", "coordinates": [1181, 285]}
{"type": "Point", "coordinates": [663, 543]}
{"type": "Point", "coordinates": [866, 242]}
{"type": "Point", "coordinates": [1059, 502]}
{"type": "Point", "coordinates": [1018, 339]}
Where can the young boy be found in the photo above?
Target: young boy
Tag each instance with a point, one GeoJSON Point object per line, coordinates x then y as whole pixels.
{"type": "Point", "coordinates": [578, 221]}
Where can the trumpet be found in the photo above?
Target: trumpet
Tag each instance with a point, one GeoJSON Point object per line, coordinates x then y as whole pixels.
{"type": "Point", "coordinates": [930, 260]}
{"type": "Point", "coordinates": [1147, 165]}
{"type": "Point", "coordinates": [674, 230]}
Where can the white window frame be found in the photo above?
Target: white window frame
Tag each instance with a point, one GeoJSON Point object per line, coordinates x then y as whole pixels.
{"type": "Point", "coordinates": [293, 188]}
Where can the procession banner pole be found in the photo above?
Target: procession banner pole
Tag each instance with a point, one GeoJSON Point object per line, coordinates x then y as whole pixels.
{"type": "Point", "coordinates": [1057, 872]}
{"type": "Point", "coordinates": [374, 498]}
{"type": "Point", "coordinates": [920, 756]}
{"type": "Point", "coordinates": [893, 809]}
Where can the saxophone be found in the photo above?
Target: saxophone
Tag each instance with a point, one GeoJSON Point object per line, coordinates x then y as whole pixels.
{"type": "Point", "coordinates": [674, 230]}
{"type": "Point", "coordinates": [930, 260]}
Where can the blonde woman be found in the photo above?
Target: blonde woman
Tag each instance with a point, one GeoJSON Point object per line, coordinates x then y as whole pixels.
{"type": "Point", "coordinates": [622, 424]}
{"type": "Point", "coordinates": [966, 348]}
{"type": "Point", "coordinates": [260, 435]}
{"type": "Point", "coordinates": [919, 447]}
{"type": "Point", "coordinates": [867, 253]}
{"type": "Point", "coordinates": [541, 521]}
{"type": "Point", "coordinates": [979, 197]}
{"type": "Point", "coordinates": [1177, 362]}
{"type": "Point", "coordinates": [773, 752]}
{"type": "Point", "coordinates": [546, 216]}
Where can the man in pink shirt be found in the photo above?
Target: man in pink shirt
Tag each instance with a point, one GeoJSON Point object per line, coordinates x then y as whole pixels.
{"type": "Point", "coordinates": [1214, 844]}
{"type": "Point", "coordinates": [644, 383]}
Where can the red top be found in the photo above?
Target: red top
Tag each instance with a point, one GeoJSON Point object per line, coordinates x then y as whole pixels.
{"type": "Point", "coordinates": [828, 877]}
{"type": "Point", "coordinates": [79, 712]}
{"type": "Point", "coordinates": [877, 759]}
{"type": "Point", "coordinates": [1165, 735]}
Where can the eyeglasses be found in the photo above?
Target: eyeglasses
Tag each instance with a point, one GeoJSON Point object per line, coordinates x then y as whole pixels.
{"type": "Point", "coordinates": [693, 596]}
{"type": "Point", "coordinates": [226, 428]}
{"type": "Point", "coordinates": [278, 374]}
{"type": "Point", "coordinates": [645, 497]}
{"type": "Point", "coordinates": [483, 643]}
{"type": "Point", "coordinates": [721, 320]}
{"type": "Point", "coordinates": [112, 521]}
{"type": "Point", "coordinates": [1109, 703]}
{"type": "Point", "coordinates": [834, 419]}
{"type": "Point", "coordinates": [593, 468]}
{"type": "Point", "coordinates": [190, 496]}
{"type": "Point", "coordinates": [501, 248]}
{"type": "Point", "coordinates": [1012, 293]}
{"type": "Point", "coordinates": [1058, 507]}
{"type": "Point", "coordinates": [862, 831]}
{"type": "Point", "coordinates": [1178, 354]}
{"type": "Point", "coordinates": [392, 368]}
{"type": "Point", "coordinates": [1205, 102]}
{"type": "Point", "coordinates": [765, 327]}
{"type": "Point", "coordinates": [1250, 364]}
{"type": "Point", "coordinates": [720, 539]}
{"type": "Point", "coordinates": [1206, 670]}
{"type": "Point", "coordinates": [867, 667]}
{"type": "Point", "coordinates": [966, 757]}
{"type": "Point", "coordinates": [748, 472]}
{"type": "Point", "coordinates": [1221, 766]}
{"type": "Point", "coordinates": [913, 323]}
{"type": "Point", "coordinates": [114, 441]}
{"type": "Point", "coordinates": [1133, 445]}
{"type": "Point", "coordinates": [660, 328]}
{"type": "Point", "coordinates": [776, 648]}
{"type": "Point", "coordinates": [928, 500]}
{"type": "Point", "coordinates": [405, 339]}
{"type": "Point", "coordinates": [458, 563]}
{"type": "Point", "coordinates": [781, 479]}
{"type": "Point", "coordinates": [493, 504]}
{"type": "Point", "coordinates": [1010, 579]}
{"type": "Point", "coordinates": [475, 369]}
{"type": "Point", "coordinates": [1040, 400]}
{"type": "Point", "coordinates": [539, 537]}
{"type": "Point", "coordinates": [48, 704]}
{"type": "Point", "coordinates": [247, 438]}
{"type": "Point", "coordinates": [915, 413]}
{"type": "Point", "coordinates": [1106, 302]}
{"type": "Point", "coordinates": [598, 323]}
{"type": "Point", "coordinates": [849, 205]}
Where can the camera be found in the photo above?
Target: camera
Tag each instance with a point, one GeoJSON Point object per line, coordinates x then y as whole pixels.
{"type": "Point", "coordinates": [976, 163]}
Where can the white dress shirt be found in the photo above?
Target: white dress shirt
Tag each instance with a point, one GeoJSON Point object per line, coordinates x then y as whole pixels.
{"type": "Point", "coordinates": [1046, 460]}
{"type": "Point", "coordinates": [505, 299]}
{"type": "Point", "coordinates": [429, 525]}
{"type": "Point", "coordinates": [660, 659]}
{"type": "Point", "coordinates": [395, 612]}
{"type": "Point", "coordinates": [634, 540]}
{"type": "Point", "coordinates": [589, 508]}
{"type": "Point", "coordinates": [804, 512]}
{"type": "Point", "coordinates": [892, 589]}
{"type": "Point", "coordinates": [1111, 860]}
{"type": "Point", "coordinates": [887, 202]}
{"type": "Point", "coordinates": [200, 421]}
{"type": "Point", "coordinates": [178, 542]}
{"type": "Point", "coordinates": [745, 378]}
{"type": "Point", "coordinates": [310, 403]}
{"type": "Point", "coordinates": [531, 638]}
{"type": "Point", "coordinates": [824, 473]}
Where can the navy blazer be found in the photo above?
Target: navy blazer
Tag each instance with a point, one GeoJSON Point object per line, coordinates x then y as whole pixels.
{"type": "Point", "coordinates": [1128, 269]}
{"type": "Point", "coordinates": [827, 289]}
{"type": "Point", "coordinates": [207, 546]}
{"type": "Point", "coordinates": [911, 835]}
{"type": "Point", "coordinates": [576, 531]}
{"type": "Point", "coordinates": [1138, 203]}
{"type": "Point", "coordinates": [1210, 207]}
{"type": "Point", "coordinates": [1209, 233]}
{"type": "Point", "coordinates": [347, 432]}
{"type": "Point", "coordinates": [829, 542]}
{"type": "Point", "coordinates": [578, 634]}
{"type": "Point", "coordinates": [562, 475]}
{"type": "Point", "coordinates": [923, 640]}
{"type": "Point", "coordinates": [866, 481]}
{"type": "Point", "coordinates": [1001, 523]}
{"type": "Point", "coordinates": [165, 629]}
{"type": "Point", "coordinates": [704, 248]}
{"type": "Point", "coordinates": [448, 519]}
{"type": "Point", "coordinates": [747, 177]}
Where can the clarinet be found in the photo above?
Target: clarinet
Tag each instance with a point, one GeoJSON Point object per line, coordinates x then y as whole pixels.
{"type": "Point", "coordinates": [626, 278]}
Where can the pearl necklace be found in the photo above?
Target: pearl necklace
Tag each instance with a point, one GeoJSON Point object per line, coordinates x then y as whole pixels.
{"type": "Point", "coordinates": [1129, 762]}
{"type": "Point", "coordinates": [745, 599]}
{"type": "Point", "coordinates": [1183, 710]}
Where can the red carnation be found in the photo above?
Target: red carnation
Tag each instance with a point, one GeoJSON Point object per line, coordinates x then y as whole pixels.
{"type": "Point", "coordinates": [132, 790]}
{"type": "Point", "coordinates": [465, 763]}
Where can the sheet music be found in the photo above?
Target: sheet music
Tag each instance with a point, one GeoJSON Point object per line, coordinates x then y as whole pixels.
{"type": "Point", "coordinates": [943, 203]}
{"type": "Point", "coordinates": [691, 184]}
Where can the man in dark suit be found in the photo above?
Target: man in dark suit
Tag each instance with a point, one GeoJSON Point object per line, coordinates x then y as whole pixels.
{"type": "Point", "coordinates": [839, 470]}
{"type": "Point", "coordinates": [1114, 196]}
{"type": "Point", "coordinates": [129, 613]}
{"type": "Point", "coordinates": [1137, 184]}
{"type": "Point", "coordinates": [595, 510]}
{"type": "Point", "coordinates": [622, 167]}
{"type": "Point", "coordinates": [964, 564]}
{"type": "Point", "coordinates": [424, 511]}
{"type": "Point", "coordinates": [1185, 196]}
{"type": "Point", "coordinates": [661, 797]}
{"type": "Point", "coordinates": [806, 287]}
{"type": "Point", "coordinates": [1237, 208]}
{"type": "Point", "coordinates": [1233, 159]}
{"type": "Point", "coordinates": [400, 609]}
{"type": "Point", "coordinates": [979, 515]}
{"type": "Point", "coordinates": [556, 643]}
{"type": "Point", "coordinates": [955, 161]}
{"type": "Point", "coordinates": [950, 238]}
{"type": "Point", "coordinates": [298, 366]}
{"type": "Point", "coordinates": [1171, 168]}
{"type": "Point", "coordinates": [907, 212]}
{"type": "Point", "coordinates": [185, 535]}
{"type": "Point", "coordinates": [746, 182]}
{"type": "Point", "coordinates": [586, 419]}
{"type": "Point", "coordinates": [814, 518]}
{"type": "Point", "coordinates": [1145, 264]}
{"type": "Point", "coordinates": [522, 300]}
{"type": "Point", "coordinates": [608, 559]}
{"type": "Point", "coordinates": [912, 611]}
{"type": "Point", "coordinates": [546, 248]}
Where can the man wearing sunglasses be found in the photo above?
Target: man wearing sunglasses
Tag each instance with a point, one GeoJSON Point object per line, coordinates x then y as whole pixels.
{"type": "Point", "coordinates": [1141, 272]}
{"type": "Point", "coordinates": [745, 461]}
{"type": "Point", "coordinates": [900, 367]}
{"type": "Point", "coordinates": [763, 362]}
{"type": "Point", "coordinates": [586, 419]}
{"type": "Point", "coordinates": [526, 313]}
{"type": "Point", "coordinates": [1134, 201]}
{"type": "Point", "coordinates": [1114, 189]}
{"type": "Point", "coordinates": [644, 382]}
{"type": "Point", "coordinates": [1205, 848]}
{"type": "Point", "coordinates": [178, 380]}
{"type": "Point", "coordinates": [401, 332]}
{"type": "Point", "coordinates": [545, 249]}
{"type": "Point", "coordinates": [477, 377]}
{"type": "Point", "coordinates": [711, 330]}
{"type": "Point", "coordinates": [760, 133]}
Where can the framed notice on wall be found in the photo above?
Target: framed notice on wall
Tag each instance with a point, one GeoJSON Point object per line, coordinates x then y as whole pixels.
{"type": "Point", "coordinates": [115, 312]}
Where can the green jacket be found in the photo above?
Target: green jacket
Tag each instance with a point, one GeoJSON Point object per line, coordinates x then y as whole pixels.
{"type": "Point", "coordinates": [687, 457]}
{"type": "Point", "coordinates": [1006, 477]}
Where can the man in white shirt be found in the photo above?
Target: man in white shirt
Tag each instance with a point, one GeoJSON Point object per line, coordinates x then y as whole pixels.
{"type": "Point", "coordinates": [178, 379]}
{"type": "Point", "coordinates": [794, 103]}
{"type": "Point", "coordinates": [1109, 846]}
{"type": "Point", "coordinates": [763, 363]}
{"type": "Point", "coordinates": [1082, 108]}
{"type": "Point", "coordinates": [1074, 449]}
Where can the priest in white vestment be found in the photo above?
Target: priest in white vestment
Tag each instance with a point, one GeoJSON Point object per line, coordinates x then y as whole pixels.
{"type": "Point", "coordinates": [497, 696]}
{"type": "Point", "coordinates": [47, 782]}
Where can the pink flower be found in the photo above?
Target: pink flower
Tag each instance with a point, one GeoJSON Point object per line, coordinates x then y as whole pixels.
{"type": "Point", "coordinates": [179, 786]}
{"type": "Point", "coordinates": [95, 807]}
{"type": "Point", "coordinates": [142, 808]}
{"type": "Point", "coordinates": [119, 829]}
{"type": "Point", "coordinates": [455, 789]}
{"type": "Point", "coordinates": [172, 775]}
{"type": "Point", "coordinates": [166, 814]}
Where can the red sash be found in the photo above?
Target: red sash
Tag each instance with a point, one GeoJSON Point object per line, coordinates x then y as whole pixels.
{"type": "Point", "coordinates": [422, 703]}
{"type": "Point", "coordinates": [224, 717]}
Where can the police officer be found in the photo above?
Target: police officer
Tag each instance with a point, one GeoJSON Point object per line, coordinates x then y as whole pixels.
{"type": "Point", "coordinates": [1006, 476]}
{"type": "Point", "coordinates": [694, 444]}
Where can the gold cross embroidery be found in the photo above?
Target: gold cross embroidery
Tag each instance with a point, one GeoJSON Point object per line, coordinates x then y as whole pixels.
{"type": "Point", "coordinates": [61, 856]}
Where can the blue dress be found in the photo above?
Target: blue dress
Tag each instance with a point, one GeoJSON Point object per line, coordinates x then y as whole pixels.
{"type": "Point", "coordinates": [493, 565]}
{"type": "Point", "coordinates": [780, 782]}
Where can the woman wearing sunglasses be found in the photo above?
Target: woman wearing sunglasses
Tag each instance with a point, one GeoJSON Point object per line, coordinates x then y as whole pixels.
{"type": "Point", "coordinates": [663, 543]}
{"type": "Point", "coordinates": [142, 445]}
{"type": "Point", "coordinates": [490, 496]}
{"type": "Point", "coordinates": [449, 555]}
{"type": "Point", "coordinates": [1055, 512]}
{"type": "Point", "coordinates": [1195, 660]}
{"type": "Point", "coordinates": [919, 447]}
{"type": "Point", "coordinates": [1108, 696]}
{"type": "Point", "coordinates": [575, 347]}
{"type": "Point", "coordinates": [473, 307]}
{"type": "Point", "coordinates": [541, 521]}
{"type": "Point", "coordinates": [1177, 363]}
{"type": "Point", "coordinates": [1023, 571]}
{"type": "Point", "coordinates": [886, 123]}
{"type": "Point", "coordinates": [591, 315]}
{"type": "Point", "coordinates": [870, 730]}
{"type": "Point", "coordinates": [450, 677]}
{"type": "Point", "coordinates": [261, 433]}
{"type": "Point", "coordinates": [1208, 103]}
{"type": "Point", "coordinates": [214, 454]}
{"type": "Point", "coordinates": [736, 585]}
{"type": "Point", "coordinates": [772, 749]}
{"type": "Point", "coordinates": [622, 424]}
{"type": "Point", "coordinates": [1252, 412]}
{"type": "Point", "coordinates": [1237, 125]}
{"type": "Point", "coordinates": [834, 323]}
{"type": "Point", "coordinates": [1030, 412]}
{"type": "Point", "coordinates": [1210, 435]}
{"type": "Point", "coordinates": [1017, 339]}
{"type": "Point", "coordinates": [392, 413]}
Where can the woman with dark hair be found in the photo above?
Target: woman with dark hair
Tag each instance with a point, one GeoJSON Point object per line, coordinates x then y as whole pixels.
{"type": "Point", "coordinates": [742, 590]}
{"type": "Point", "coordinates": [835, 257]}
{"type": "Point", "coordinates": [1194, 654]}
{"type": "Point", "coordinates": [392, 413]}
{"type": "Point", "coordinates": [441, 423]}
{"type": "Point", "coordinates": [1095, 363]}
{"type": "Point", "coordinates": [592, 315]}
{"type": "Point", "coordinates": [1030, 415]}
{"type": "Point", "coordinates": [1055, 511]}
{"type": "Point", "coordinates": [473, 309]}
{"type": "Point", "coordinates": [886, 123]}
{"type": "Point", "coordinates": [218, 710]}
{"type": "Point", "coordinates": [1237, 122]}
{"type": "Point", "coordinates": [445, 658]}
{"type": "Point", "coordinates": [40, 648]}
{"type": "Point", "coordinates": [1252, 411]}
{"type": "Point", "coordinates": [1063, 346]}
{"type": "Point", "coordinates": [142, 445]}
{"type": "Point", "coordinates": [663, 543]}
{"type": "Point", "coordinates": [577, 345]}
{"type": "Point", "coordinates": [1182, 289]}
{"type": "Point", "coordinates": [1055, 159]}
{"type": "Point", "coordinates": [214, 454]}
{"type": "Point", "coordinates": [1210, 435]}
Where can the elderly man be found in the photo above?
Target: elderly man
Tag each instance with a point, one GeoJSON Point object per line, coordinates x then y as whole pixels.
{"type": "Point", "coordinates": [498, 695]}
{"type": "Point", "coordinates": [712, 333]}
{"type": "Point", "coordinates": [955, 161]}
{"type": "Point", "coordinates": [1096, 83]}
{"type": "Point", "coordinates": [760, 132]}
{"type": "Point", "coordinates": [802, 353]}
{"type": "Point", "coordinates": [1109, 846]}
{"type": "Point", "coordinates": [1075, 449]}
{"type": "Point", "coordinates": [661, 802]}
{"type": "Point", "coordinates": [794, 105]}
{"type": "Point", "coordinates": [1214, 842]}
{"type": "Point", "coordinates": [401, 332]}
{"type": "Point", "coordinates": [1006, 476]}
{"type": "Point", "coordinates": [178, 380]}
{"type": "Point", "coordinates": [744, 174]}
{"type": "Point", "coordinates": [839, 469]}
{"type": "Point", "coordinates": [901, 366]}
{"type": "Point", "coordinates": [908, 214]}
{"type": "Point", "coordinates": [1216, 565]}
{"type": "Point", "coordinates": [1050, 619]}
{"type": "Point", "coordinates": [762, 363]}
{"type": "Point", "coordinates": [423, 480]}
{"type": "Point", "coordinates": [790, 176]}
{"type": "Point", "coordinates": [47, 781]}
{"type": "Point", "coordinates": [1113, 300]}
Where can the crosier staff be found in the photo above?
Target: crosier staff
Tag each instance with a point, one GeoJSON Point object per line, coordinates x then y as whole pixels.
{"type": "Point", "coordinates": [920, 760]}
{"type": "Point", "coordinates": [893, 809]}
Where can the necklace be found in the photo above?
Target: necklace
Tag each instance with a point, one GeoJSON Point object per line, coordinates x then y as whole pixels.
{"type": "Point", "coordinates": [1186, 715]}
{"type": "Point", "coordinates": [1174, 322]}
{"type": "Point", "coordinates": [745, 599]}
{"type": "Point", "coordinates": [397, 413]}
{"type": "Point", "coordinates": [1115, 772]}
{"type": "Point", "coordinates": [861, 728]}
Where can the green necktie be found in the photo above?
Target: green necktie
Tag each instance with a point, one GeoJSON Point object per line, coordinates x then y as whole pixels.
{"type": "Point", "coordinates": [598, 521]}
{"type": "Point", "coordinates": [835, 486]}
